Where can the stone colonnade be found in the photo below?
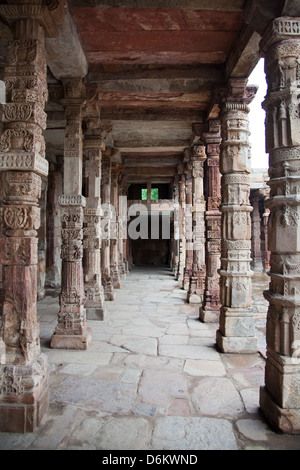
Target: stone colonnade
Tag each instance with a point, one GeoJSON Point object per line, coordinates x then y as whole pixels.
{"type": "Point", "coordinates": [214, 271]}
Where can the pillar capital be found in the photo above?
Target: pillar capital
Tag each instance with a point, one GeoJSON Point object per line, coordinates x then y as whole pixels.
{"type": "Point", "coordinates": [281, 29]}
{"type": "Point", "coordinates": [48, 14]}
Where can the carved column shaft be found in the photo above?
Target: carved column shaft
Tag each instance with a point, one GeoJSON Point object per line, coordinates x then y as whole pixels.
{"type": "Point", "coordinates": [280, 398]}
{"type": "Point", "coordinates": [176, 229]}
{"type": "Point", "coordinates": [188, 268]}
{"type": "Point", "coordinates": [181, 201]}
{"type": "Point", "coordinates": [210, 311]}
{"type": "Point", "coordinates": [23, 369]}
{"type": "Point", "coordinates": [71, 331]}
{"type": "Point", "coordinates": [236, 332]}
{"type": "Point", "coordinates": [94, 292]}
{"type": "Point", "coordinates": [114, 242]}
{"type": "Point", "coordinates": [107, 281]}
{"type": "Point", "coordinates": [197, 281]}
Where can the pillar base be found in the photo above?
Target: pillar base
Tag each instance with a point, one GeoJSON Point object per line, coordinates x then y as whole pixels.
{"type": "Point", "coordinates": [95, 313]}
{"type": "Point", "coordinates": [78, 342]}
{"type": "Point", "coordinates": [209, 316]}
{"type": "Point", "coordinates": [284, 420]}
{"type": "Point", "coordinates": [24, 396]}
{"type": "Point", "coordinates": [234, 344]}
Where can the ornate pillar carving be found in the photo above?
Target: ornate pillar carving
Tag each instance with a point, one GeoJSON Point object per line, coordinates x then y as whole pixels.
{"type": "Point", "coordinates": [107, 280]}
{"type": "Point", "coordinates": [236, 332]}
{"type": "Point", "coordinates": [116, 169]}
{"type": "Point", "coordinates": [124, 263]}
{"type": "Point", "coordinates": [280, 397]}
{"type": "Point", "coordinates": [181, 201]}
{"type": "Point", "coordinates": [256, 249]}
{"type": "Point", "coordinates": [197, 281]}
{"type": "Point", "coordinates": [210, 311]}
{"type": "Point", "coordinates": [176, 228]}
{"type": "Point", "coordinates": [71, 331]}
{"type": "Point", "coordinates": [188, 268]}
{"type": "Point", "coordinates": [93, 147]}
{"type": "Point", "coordinates": [23, 369]}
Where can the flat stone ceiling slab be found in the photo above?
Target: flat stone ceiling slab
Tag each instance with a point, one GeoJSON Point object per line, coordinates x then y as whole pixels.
{"type": "Point", "coordinates": [156, 36]}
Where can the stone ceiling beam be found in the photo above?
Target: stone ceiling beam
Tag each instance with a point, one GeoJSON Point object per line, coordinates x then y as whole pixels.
{"type": "Point", "coordinates": [65, 56]}
{"type": "Point", "coordinates": [245, 55]}
{"type": "Point", "coordinates": [234, 5]}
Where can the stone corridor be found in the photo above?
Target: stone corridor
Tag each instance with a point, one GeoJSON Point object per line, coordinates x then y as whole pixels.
{"type": "Point", "coordinates": [152, 378]}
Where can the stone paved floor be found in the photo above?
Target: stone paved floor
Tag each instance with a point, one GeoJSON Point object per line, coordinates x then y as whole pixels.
{"type": "Point", "coordinates": [152, 379]}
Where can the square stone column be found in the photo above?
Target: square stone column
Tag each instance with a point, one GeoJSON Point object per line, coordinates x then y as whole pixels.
{"type": "Point", "coordinates": [210, 310]}
{"type": "Point", "coordinates": [197, 280]}
{"type": "Point", "coordinates": [23, 369]}
{"type": "Point", "coordinates": [71, 331]}
{"type": "Point", "coordinates": [116, 170]}
{"type": "Point", "coordinates": [280, 397]}
{"type": "Point", "coordinates": [107, 216]}
{"type": "Point", "coordinates": [188, 220]}
{"type": "Point", "coordinates": [94, 292]}
{"type": "Point", "coordinates": [236, 333]}
{"type": "Point", "coordinates": [181, 220]}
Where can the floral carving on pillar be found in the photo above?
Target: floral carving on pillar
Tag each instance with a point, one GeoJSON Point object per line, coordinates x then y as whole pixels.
{"type": "Point", "coordinates": [236, 332]}
{"type": "Point", "coordinates": [280, 398]}
{"type": "Point", "coordinates": [93, 148]}
{"type": "Point", "coordinates": [188, 219]}
{"type": "Point", "coordinates": [210, 310]}
{"type": "Point", "coordinates": [197, 281]}
{"type": "Point", "coordinates": [106, 227]}
{"type": "Point", "coordinates": [23, 369]}
{"type": "Point", "coordinates": [71, 331]}
{"type": "Point", "coordinates": [181, 220]}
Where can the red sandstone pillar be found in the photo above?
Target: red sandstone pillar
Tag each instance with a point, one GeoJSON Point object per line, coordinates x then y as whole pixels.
{"type": "Point", "coordinates": [210, 311]}
{"type": "Point", "coordinates": [197, 281]}
{"type": "Point", "coordinates": [280, 397]}
{"type": "Point", "coordinates": [188, 268]}
{"type": "Point", "coordinates": [236, 333]}
{"type": "Point", "coordinates": [107, 215]}
{"type": "Point", "coordinates": [93, 147]}
{"type": "Point", "coordinates": [182, 241]}
{"type": "Point", "coordinates": [23, 369]}
{"type": "Point", "coordinates": [116, 169]}
{"type": "Point", "coordinates": [71, 331]}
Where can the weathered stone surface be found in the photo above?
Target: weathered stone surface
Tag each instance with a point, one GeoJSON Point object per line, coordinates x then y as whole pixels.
{"type": "Point", "coordinates": [179, 433]}
{"type": "Point", "coordinates": [105, 396]}
{"type": "Point", "coordinates": [159, 387]}
{"type": "Point", "coordinates": [124, 433]}
{"type": "Point", "coordinates": [217, 397]}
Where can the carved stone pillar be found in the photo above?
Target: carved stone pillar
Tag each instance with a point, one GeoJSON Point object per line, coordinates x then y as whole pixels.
{"type": "Point", "coordinates": [197, 282]}
{"type": "Point", "coordinates": [181, 201]}
{"type": "Point", "coordinates": [114, 242]}
{"type": "Point", "coordinates": [123, 242]}
{"type": "Point", "coordinates": [210, 311]}
{"type": "Point", "coordinates": [280, 398]}
{"type": "Point", "coordinates": [188, 268]}
{"type": "Point", "coordinates": [267, 253]}
{"type": "Point", "coordinates": [23, 369]}
{"type": "Point", "coordinates": [237, 330]}
{"type": "Point", "coordinates": [71, 331]}
{"type": "Point", "coordinates": [94, 292]}
{"type": "Point", "coordinates": [107, 280]}
{"type": "Point", "coordinates": [176, 228]}
{"type": "Point", "coordinates": [256, 250]}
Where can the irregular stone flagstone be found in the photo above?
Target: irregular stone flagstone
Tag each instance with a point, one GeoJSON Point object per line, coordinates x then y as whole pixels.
{"type": "Point", "coordinates": [180, 433]}
{"type": "Point", "coordinates": [113, 397]}
{"type": "Point", "coordinates": [158, 387]}
{"type": "Point", "coordinates": [216, 396]}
